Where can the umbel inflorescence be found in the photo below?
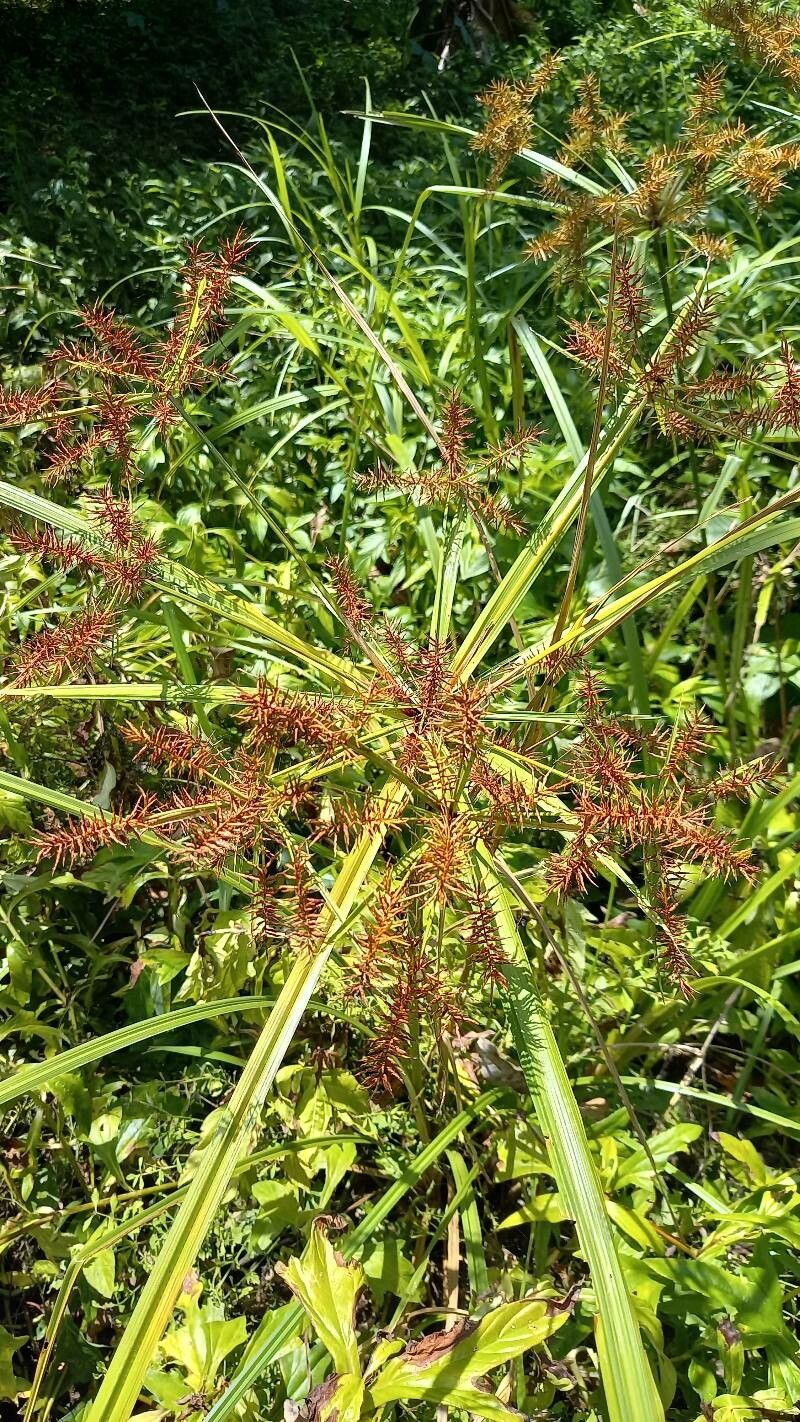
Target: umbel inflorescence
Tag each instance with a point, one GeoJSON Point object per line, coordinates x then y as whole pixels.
{"type": "Point", "coordinates": [673, 187]}
{"type": "Point", "coordinates": [106, 394]}
{"type": "Point", "coordinates": [267, 796]}
{"type": "Point", "coordinates": [289, 780]}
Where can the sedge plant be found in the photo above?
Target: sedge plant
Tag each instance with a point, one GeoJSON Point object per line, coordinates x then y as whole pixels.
{"type": "Point", "coordinates": [369, 801]}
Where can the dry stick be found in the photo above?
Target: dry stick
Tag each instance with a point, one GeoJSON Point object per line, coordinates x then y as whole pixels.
{"type": "Point", "coordinates": [698, 1062]}
{"type": "Point", "coordinates": [452, 1264]}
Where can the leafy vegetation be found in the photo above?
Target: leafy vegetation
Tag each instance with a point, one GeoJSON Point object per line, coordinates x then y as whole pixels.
{"type": "Point", "coordinates": [399, 784]}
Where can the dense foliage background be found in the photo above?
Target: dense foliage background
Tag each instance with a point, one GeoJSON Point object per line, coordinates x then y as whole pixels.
{"type": "Point", "coordinates": [105, 178]}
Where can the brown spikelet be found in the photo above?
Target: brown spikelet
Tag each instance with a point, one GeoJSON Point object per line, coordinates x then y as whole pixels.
{"type": "Point", "coordinates": [412, 991]}
{"type": "Point", "coordinates": [706, 146]}
{"type": "Point", "coordinates": [484, 950]}
{"type": "Point", "coordinates": [274, 718]}
{"type": "Point", "coordinates": [66, 455]}
{"type": "Point", "coordinates": [512, 448]}
{"type": "Point", "coordinates": [663, 814]}
{"type": "Point", "coordinates": [587, 343]}
{"type": "Point", "coordinates": [459, 720]}
{"type": "Point", "coordinates": [511, 801]}
{"type": "Point", "coordinates": [401, 649]}
{"type": "Point", "coordinates": [351, 815]}
{"type": "Point", "coordinates": [52, 547]}
{"type": "Point", "coordinates": [678, 424]}
{"type": "Point", "coordinates": [386, 930]}
{"type": "Point", "coordinates": [353, 606]}
{"type": "Point", "coordinates": [495, 510]}
{"type": "Point", "coordinates": [268, 913]}
{"type": "Point", "coordinates": [571, 873]}
{"type": "Point", "coordinates": [758, 169]}
{"type": "Point", "coordinates": [787, 400]}
{"type": "Point", "coordinates": [305, 902]}
{"type": "Point", "coordinates": [175, 749]}
{"type": "Point", "coordinates": [72, 646]}
{"type": "Point", "coordinates": [227, 831]}
{"type": "Point", "coordinates": [114, 516]}
{"type": "Point", "coordinates": [25, 407]}
{"type": "Point", "coordinates": [629, 296]}
{"type": "Point", "coordinates": [381, 478]}
{"type": "Point", "coordinates": [508, 122]}
{"type": "Point", "coordinates": [707, 95]}
{"type": "Point", "coordinates": [724, 384]}
{"type": "Point", "coordinates": [696, 320]}
{"type": "Point", "coordinates": [740, 781]}
{"type": "Point", "coordinates": [444, 864]}
{"type": "Point", "coordinates": [568, 240]}
{"type": "Point", "coordinates": [714, 246]}
{"type": "Point", "coordinates": [456, 425]}
{"type": "Point", "coordinates": [507, 126]}
{"type": "Point", "coordinates": [91, 359]}
{"type": "Point", "coordinates": [456, 478]}
{"type": "Point", "coordinates": [77, 841]}
{"type": "Point", "coordinates": [433, 677]}
{"type": "Point", "coordinates": [205, 280]}
{"type": "Point", "coordinates": [121, 341]}
{"type": "Point", "coordinates": [671, 932]}
{"type": "Point", "coordinates": [591, 126]}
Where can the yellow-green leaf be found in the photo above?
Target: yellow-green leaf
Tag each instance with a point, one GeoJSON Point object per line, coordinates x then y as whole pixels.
{"type": "Point", "coordinates": [328, 1287]}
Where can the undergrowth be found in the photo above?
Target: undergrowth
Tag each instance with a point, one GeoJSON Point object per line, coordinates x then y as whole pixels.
{"type": "Point", "coordinates": [447, 733]}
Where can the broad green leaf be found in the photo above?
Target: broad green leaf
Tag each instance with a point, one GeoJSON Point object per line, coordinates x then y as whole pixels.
{"type": "Point", "coordinates": [745, 1152]}
{"type": "Point", "coordinates": [288, 1321]}
{"type": "Point", "coordinates": [446, 1368]}
{"type": "Point", "coordinates": [38, 1075]}
{"type": "Point", "coordinates": [10, 1385]}
{"type": "Point", "coordinates": [389, 1270]}
{"type": "Point", "coordinates": [328, 1287]}
{"type": "Point", "coordinates": [339, 1399]}
{"type": "Point", "coordinates": [100, 1273]}
{"type": "Point", "coordinates": [201, 1344]}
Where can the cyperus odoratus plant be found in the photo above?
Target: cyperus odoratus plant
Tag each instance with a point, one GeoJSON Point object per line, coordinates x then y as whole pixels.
{"type": "Point", "coordinates": [396, 809]}
{"type": "Point", "coordinates": [290, 779]}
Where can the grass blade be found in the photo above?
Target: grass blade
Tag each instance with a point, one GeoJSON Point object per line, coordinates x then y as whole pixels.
{"type": "Point", "coordinates": [627, 1379]}
{"type": "Point", "coordinates": [122, 1384]}
{"type": "Point", "coordinates": [259, 1358]}
{"type": "Point", "coordinates": [33, 1077]}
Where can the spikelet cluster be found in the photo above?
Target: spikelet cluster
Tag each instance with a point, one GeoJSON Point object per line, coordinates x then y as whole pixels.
{"type": "Point", "coordinates": [643, 796]}
{"type": "Point", "coordinates": [509, 118]}
{"type": "Point", "coordinates": [103, 388]}
{"type": "Point", "coordinates": [117, 559]}
{"type": "Point", "coordinates": [757, 397]}
{"type": "Point", "coordinates": [112, 382]}
{"type": "Point", "coordinates": [591, 126]}
{"type": "Point", "coordinates": [290, 780]}
{"type": "Point", "coordinates": [674, 185]}
{"type": "Point", "coordinates": [459, 479]}
{"type": "Point", "coordinates": [760, 32]}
